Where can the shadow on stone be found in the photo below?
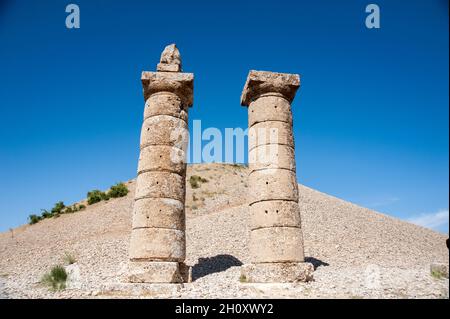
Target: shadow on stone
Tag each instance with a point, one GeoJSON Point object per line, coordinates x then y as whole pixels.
{"type": "Point", "coordinates": [210, 265]}
{"type": "Point", "coordinates": [316, 262]}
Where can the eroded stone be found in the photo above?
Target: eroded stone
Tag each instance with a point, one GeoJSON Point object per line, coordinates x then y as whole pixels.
{"type": "Point", "coordinates": [275, 213]}
{"type": "Point", "coordinates": [272, 184]}
{"type": "Point", "coordinates": [160, 185]}
{"type": "Point", "coordinates": [155, 272]}
{"type": "Point", "coordinates": [270, 132]}
{"type": "Point", "coordinates": [276, 244]}
{"type": "Point", "coordinates": [157, 244]}
{"type": "Point", "coordinates": [262, 82]}
{"type": "Point", "coordinates": [165, 130]}
{"type": "Point", "coordinates": [271, 156]}
{"type": "Point", "coordinates": [269, 107]}
{"type": "Point", "coordinates": [159, 212]}
{"type": "Point", "coordinates": [277, 272]}
{"type": "Point", "coordinates": [162, 158]}
{"type": "Point", "coordinates": [165, 103]}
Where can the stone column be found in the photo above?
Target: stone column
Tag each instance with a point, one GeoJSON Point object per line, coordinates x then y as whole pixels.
{"type": "Point", "coordinates": [157, 246]}
{"type": "Point", "coordinates": [276, 242]}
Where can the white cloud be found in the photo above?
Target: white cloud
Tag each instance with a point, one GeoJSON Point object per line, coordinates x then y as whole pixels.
{"type": "Point", "coordinates": [434, 221]}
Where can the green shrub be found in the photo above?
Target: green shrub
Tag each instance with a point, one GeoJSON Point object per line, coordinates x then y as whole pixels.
{"type": "Point", "coordinates": [118, 190]}
{"type": "Point", "coordinates": [95, 196]}
{"type": "Point", "coordinates": [69, 210]}
{"type": "Point", "coordinates": [56, 278]}
{"type": "Point", "coordinates": [46, 214]}
{"type": "Point", "coordinates": [196, 181]}
{"type": "Point", "coordinates": [81, 207]}
{"type": "Point", "coordinates": [58, 208]}
{"type": "Point", "coordinates": [33, 219]}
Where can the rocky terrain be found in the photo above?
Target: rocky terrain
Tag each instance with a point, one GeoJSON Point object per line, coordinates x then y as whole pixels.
{"type": "Point", "coordinates": [357, 253]}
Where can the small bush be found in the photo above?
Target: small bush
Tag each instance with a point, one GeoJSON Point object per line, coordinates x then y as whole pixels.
{"type": "Point", "coordinates": [56, 278]}
{"type": "Point", "coordinates": [81, 207]}
{"type": "Point", "coordinates": [58, 208]}
{"type": "Point", "coordinates": [118, 190]}
{"type": "Point", "coordinates": [46, 214]}
{"type": "Point", "coordinates": [196, 181]}
{"type": "Point", "coordinates": [95, 196]}
{"type": "Point", "coordinates": [242, 279]}
{"type": "Point", "coordinates": [33, 219]}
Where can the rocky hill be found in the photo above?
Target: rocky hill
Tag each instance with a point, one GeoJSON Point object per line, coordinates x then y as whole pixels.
{"type": "Point", "coordinates": [358, 253]}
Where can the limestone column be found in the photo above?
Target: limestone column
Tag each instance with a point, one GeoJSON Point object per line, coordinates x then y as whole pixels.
{"type": "Point", "coordinates": [276, 241]}
{"type": "Point", "coordinates": [157, 245]}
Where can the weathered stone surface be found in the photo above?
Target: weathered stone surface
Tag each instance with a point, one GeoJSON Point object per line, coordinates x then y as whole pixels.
{"type": "Point", "coordinates": [170, 59]}
{"type": "Point", "coordinates": [157, 244]}
{"type": "Point", "coordinates": [275, 213]}
{"type": "Point", "coordinates": [162, 158]}
{"type": "Point", "coordinates": [262, 82]}
{"type": "Point", "coordinates": [154, 272]}
{"type": "Point", "coordinates": [165, 103]}
{"type": "Point", "coordinates": [271, 184]}
{"type": "Point", "coordinates": [160, 185]}
{"type": "Point", "coordinates": [271, 156]}
{"type": "Point", "coordinates": [181, 84]}
{"type": "Point", "coordinates": [277, 272]}
{"type": "Point", "coordinates": [270, 132]}
{"type": "Point", "coordinates": [269, 107]}
{"type": "Point", "coordinates": [276, 244]}
{"type": "Point", "coordinates": [139, 289]}
{"type": "Point", "coordinates": [164, 130]}
{"type": "Point", "coordinates": [159, 212]}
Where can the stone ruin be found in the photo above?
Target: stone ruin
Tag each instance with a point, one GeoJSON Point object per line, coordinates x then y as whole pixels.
{"type": "Point", "coordinates": [158, 242]}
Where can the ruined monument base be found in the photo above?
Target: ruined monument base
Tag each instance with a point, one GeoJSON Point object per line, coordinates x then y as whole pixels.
{"type": "Point", "coordinates": [139, 290]}
{"type": "Point", "coordinates": [277, 272]}
{"type": "Point", "coordinates": [158, 272]}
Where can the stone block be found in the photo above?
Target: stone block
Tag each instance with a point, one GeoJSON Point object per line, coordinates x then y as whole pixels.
{"type": "Point", "coordinates": [271, 132]}
{"type": "Point", "coordinates": [277, 272]}
{"type": "Point", "coordinates": [263, 82]}
{"type": "Point", "coordinates": [269, 107]}
{"type": "Point", "coordinates": [157, 244]}
{"type": "Point", "coordinates": [272, 184]}
{"type": "Point", "coordinates": [165, 103]}
{"type": "Point", "coordinates": [277, 213]}
{"type": "Point", "coordinates": [276, 244]}
{"type": "Point", "coordinates": [156, 272]}
{"type": "Point", "coordinates": [159, 213]}
{"type": "Point", "coordinates": [271, 156]}
{"type": "Point", "coordinates": [164, 130]}
{"type": "Point", "coordinates": [181, 84]}
{"type": "Point", "coordinates": [162, 158]}
{"type": "Point", "coordinates": [160, 185]}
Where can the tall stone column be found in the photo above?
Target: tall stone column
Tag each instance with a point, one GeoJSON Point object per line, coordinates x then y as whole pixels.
{"type": "Point", "coordinates": [276, 241]}
{"type": "Point", "coordinates": [158, 245]}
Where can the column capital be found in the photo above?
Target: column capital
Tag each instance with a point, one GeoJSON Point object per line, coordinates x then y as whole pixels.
{"type": "Point", "coordinates": [263, 82]}
{"type": "Point", "coordinates": [181, 84]}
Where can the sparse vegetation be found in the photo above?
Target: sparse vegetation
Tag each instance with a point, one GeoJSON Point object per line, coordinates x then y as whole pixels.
{"type": "Point", "coordinates": [56, 278]}
{"type": "Point", "coordinates": [69, 259]}
{"type": "Point", "coordinates": [196, 181]}
{"type": "Point", "coordinates": [93, 197]}
{"type": "Point", "coordinates": [242, 278]}
{"type": "Point", "coordinates": [118, 190]}
{"type": "Point", "coordinates": [435, 273]}
{"type": "Point", "coordinates": [33, 219]}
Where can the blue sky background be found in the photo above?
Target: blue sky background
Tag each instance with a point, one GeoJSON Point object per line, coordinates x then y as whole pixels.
{"type": "Point", "coordinates": [370, 120]}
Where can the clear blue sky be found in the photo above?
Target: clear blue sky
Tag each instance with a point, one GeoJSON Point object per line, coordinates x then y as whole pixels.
{"type": "Point", "coordinates": [370, 120]}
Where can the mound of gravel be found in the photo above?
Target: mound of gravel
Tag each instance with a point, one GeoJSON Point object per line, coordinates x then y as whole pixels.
{"type": "Point", "coordinates": [358, 253]}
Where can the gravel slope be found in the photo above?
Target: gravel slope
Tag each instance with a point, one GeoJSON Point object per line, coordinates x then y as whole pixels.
{"type": "Point", "coordinates": [358, 253]}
